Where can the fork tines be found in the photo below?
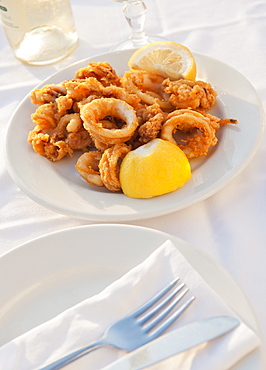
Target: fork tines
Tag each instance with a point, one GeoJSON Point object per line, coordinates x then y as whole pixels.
{"type": "Point", "coordinates": [161, 305]}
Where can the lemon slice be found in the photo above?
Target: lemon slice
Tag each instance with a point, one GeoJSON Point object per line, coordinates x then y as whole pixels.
{"type": "Point", "coordinates": [166, 58]}
{"type": "Point", "coordinates": [155, 168]}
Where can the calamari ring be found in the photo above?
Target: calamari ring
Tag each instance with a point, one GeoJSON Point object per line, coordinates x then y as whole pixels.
{"type": "Point", "coordinates": [147, 86]}
{"type": "Point", "coordinates": [95, 111]}
{"type": "Point", "coordinates": [87, 166]}
{"type": "Point", "coordinates": [187, 120]}
{"type": "Point", "coordinates": [109, 165]}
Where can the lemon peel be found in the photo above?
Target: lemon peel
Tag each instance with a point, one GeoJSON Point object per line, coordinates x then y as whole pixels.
{"type": "Point", "coordinates": [166, 58]}
{"type": "Point", "coordinates": [156, 168]}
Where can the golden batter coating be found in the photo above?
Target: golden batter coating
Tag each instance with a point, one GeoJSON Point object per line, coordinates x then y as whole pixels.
{"type": "Point", "coordinates": [190, 94]}
{"type": "Point", "coordinates": [109, 165]}
{"type": "Point", "coordinates": [102, 71]}
{"type": "Point", "coordinates": [88, 167]}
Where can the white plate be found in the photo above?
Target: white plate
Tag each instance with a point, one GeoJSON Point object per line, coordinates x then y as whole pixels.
{"type": "Point", "coordinates": [45, 276]}
{"type": "Point", "coordinates": [60, 188]}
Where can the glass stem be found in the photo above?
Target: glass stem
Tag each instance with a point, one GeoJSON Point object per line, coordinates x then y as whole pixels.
{"type": "Point", "coordinates": [135, 13]}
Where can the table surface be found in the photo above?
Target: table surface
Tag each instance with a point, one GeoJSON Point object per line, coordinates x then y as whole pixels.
{"type": "Point", "coordinates": [230, 226]}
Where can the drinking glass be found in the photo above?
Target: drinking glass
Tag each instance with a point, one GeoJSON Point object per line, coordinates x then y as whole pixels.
{"type": "Point", "coordinates": [40, 32]}
{"type": "Point", "coordinates": [135, 14]}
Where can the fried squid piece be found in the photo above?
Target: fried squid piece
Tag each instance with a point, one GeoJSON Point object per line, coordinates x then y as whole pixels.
{"type": "Point", "coordinates": [102, 71]}
{"type": "Point", "coordinates": [94, 112]}
{"type": "Point", "coordinates": [148, 87]}
{"type": "Point", "coordinates": [54, 139]}
{"type": "Point", "coordinates": [48, 115]}
{"type": "Point", "coordinates": [190, 94]}
{"type": "Point", "coordinates": [154, 118]}
{"type": "Point", "coordinates": [109, 165]}
{"type": "Point", "coordinates": [47, 94]}
{"type": "Point", "coordinates": [102, 168]}
{"type": "Point", "coordinates": [217, 122]}
{"type": "Point", "coordinates": [201, 134]}
{"type": "Point", "coordinates": [85, 91]}
{"type": "Point", "coordinates": [88, 167]}
{"type": "Point", "coordinates": [200, 127]}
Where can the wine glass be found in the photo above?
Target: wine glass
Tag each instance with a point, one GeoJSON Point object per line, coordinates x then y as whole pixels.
{"type": "Point", "coordinates": [135, 14]}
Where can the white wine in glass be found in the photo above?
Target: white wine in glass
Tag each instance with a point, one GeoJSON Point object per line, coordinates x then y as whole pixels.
{"type": "Point", "coordinates": [135, 14]}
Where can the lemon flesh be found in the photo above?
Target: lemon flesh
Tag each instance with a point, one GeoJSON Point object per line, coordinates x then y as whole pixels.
{"type": "Point", "coordinates": [166, 58]}
{"type": "Point", "coordinates": [156, 168]}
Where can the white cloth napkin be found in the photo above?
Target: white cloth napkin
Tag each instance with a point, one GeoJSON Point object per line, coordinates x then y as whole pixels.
{"type": "Point", "coordinates": [87, 321]}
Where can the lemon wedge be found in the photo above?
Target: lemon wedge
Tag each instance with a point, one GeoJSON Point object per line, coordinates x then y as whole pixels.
{"type": "Point", "coordinates": [166, 58]}
{"type": "Point", "coordinates": [153, 169]}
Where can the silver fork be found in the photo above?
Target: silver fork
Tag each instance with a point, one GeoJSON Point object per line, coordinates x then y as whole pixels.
{"type": "Point", "coordinates": [140, 327]}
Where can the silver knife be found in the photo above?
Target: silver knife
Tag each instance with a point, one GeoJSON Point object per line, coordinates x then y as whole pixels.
{"type": "Point", "coordinates": [179, 340]}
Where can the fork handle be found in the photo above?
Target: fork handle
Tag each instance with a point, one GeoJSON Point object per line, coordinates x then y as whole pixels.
{"type": "Point", "coordinates": [62, 362]}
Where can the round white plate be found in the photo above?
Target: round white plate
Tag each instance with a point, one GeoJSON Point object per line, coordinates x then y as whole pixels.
{"type": "Point", "coordinates": [47, 275]}
{"type": "Point", "coordinates": [60, 188]}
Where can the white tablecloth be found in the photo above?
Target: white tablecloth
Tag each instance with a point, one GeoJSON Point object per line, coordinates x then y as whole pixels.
{"type": "Point", "coordinates": [231, 225]}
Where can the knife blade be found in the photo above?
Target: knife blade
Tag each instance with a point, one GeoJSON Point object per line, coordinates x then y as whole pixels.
{"type": "Point", "coordinates": [179, 340]}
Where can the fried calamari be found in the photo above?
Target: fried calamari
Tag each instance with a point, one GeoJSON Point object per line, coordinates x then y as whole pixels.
{"type": "Point", "coordinates": [106, 116]}
{"type": "Point", "coordinates": [190, 94]}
